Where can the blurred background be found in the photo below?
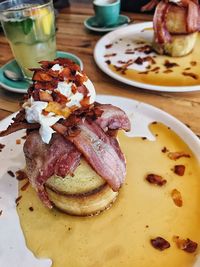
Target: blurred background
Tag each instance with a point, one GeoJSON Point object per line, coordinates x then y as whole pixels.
{"type": "Point", "coordinates": [126, 5]}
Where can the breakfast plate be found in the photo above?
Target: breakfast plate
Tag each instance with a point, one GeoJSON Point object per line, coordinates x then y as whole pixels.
{"type": "Point", "coordinates": [127, 56]}
{"type": "Point", "coordinates": [122, 233]}
{"type": "Point", "coordinates": [22, 86]}
{"type": "Point", "coordinates": [90, 24]}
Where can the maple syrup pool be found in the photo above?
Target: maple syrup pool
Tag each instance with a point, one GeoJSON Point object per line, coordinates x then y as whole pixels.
{"type": "Point", "coordinates": [121, 235]}
{"type": "Point", "coordinates": [186, 73]}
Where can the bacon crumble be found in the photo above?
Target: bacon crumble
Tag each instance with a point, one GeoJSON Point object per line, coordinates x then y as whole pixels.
{"type": "Point", "coordinates": [138, 61]}
{"type": "Point", "coordinates": [17, 200]}
{"type": "Point", "coordinates": [164, 150]}
{"type": "Point", "coordinates": [1, 147]}
{"type": "Point", "coordinates": [18, 142]}
{"type": "Point", "coordinates": [178, 155]}
{"type": "Point", "coordinates": [179, 170]}
{"type": "Point", "coordinates": [177, 198]}
{"type": "Point", "coordinates": [156, 179]}
{"type": "Point", "coordinates": [160, 243]}
{"type": "Point", "coordinates": [108, 62]}
{"type": "Point", "coordinates": [108, 46]}
{"type": "Point", "coordinates": [167, 71]}
{"type": "Point", "coordinates": [129, 51]}
{"type": "Point", "coordinates": [170, 65]}
{"type": "Point", "coordinates": [191, 75]}
{"type": "Point", "coordinates": [185, 244]}
{"type": "Point", "coordinates": [20, 175]}
{"type": "Point", "coordinates": [146, 49]}
{"type": "Point", "coordinates": [110, 55]}
{"type": "Point", "coordinates": [11, 173]}
{"type": "Point", "coordinates": [25, 186]}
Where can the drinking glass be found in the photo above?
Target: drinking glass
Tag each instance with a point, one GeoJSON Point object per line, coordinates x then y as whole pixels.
{"type": "Point", "coordinates": [29, 26]}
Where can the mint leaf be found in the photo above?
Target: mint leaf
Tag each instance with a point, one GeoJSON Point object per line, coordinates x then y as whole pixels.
{"type": "Point", "coordinates": [27, 25]}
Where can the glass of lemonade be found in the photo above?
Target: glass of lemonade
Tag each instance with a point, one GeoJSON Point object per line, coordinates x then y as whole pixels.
{"type": "Point", "coordinates": [29, 26]}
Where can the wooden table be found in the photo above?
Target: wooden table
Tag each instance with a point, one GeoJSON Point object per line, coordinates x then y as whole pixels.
{"type": "Point", "coordinates": [73, 37]}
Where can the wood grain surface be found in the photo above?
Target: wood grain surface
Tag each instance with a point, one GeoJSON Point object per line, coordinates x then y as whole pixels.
{"type": "Point", "coordinates": [74, 38]}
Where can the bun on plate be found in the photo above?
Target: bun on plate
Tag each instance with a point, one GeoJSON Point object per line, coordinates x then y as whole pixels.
{"type": "Point", "coordinates": [73, 158]}
{"type": "Point", "coordinates": [176, 26]}
{"type": "Point", "coordinates": [84, 193]}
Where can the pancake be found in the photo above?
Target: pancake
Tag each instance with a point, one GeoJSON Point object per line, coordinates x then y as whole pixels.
{"type": "Point", "coordinates": [84, 193]}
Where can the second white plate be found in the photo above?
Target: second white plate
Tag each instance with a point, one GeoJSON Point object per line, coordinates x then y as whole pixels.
{"type": "Point", "coordinates": [118, 46]}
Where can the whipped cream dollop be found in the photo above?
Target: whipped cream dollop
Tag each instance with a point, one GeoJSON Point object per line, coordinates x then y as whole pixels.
{"type": "Point", "coordinates": [34, 110]}
{"type": "Point", "coordinates": [34, 114]}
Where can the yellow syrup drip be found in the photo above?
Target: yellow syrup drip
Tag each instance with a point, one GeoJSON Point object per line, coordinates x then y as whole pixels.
{"type": "Point", "coordinates": [174, 78]}
{"type": "Point", "coordinates": [121, 235]}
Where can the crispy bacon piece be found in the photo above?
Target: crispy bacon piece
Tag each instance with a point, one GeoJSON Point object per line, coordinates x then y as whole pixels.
{"type": "Point", "coordinates": [177, 198]}
{"type": "Point", "coordinates": [192, 14]}
{"type": "Point", "coordinates": [25, 186]}
{"type": "Point", "coordinates": [179, 170]}
{"type": "Point", "coordinates": [185, 244]}
{"type": "Point", "coordinates": [18, 142]}
{"type": "Point", "coordinates": [156, 179]}
{"type": "Point", "coordinates": [1, 147]}
{"type": "Point", "coordinates": [11, 173]}
{"type": "Point", "coordinates": [178, 155]}
{"type": "Point", "coordinates": [108, 46]}
{"type": "Point", "coordinates": [101, 151]}
{"type": "Point", "coordinates": [21, 175]}
{"type": "Point", "coordinates": [97, 148]}
{"type": "Point", "coordinates": [16, 126]}
{"type": "Point", "coordinates": [60, 157]}
{"type": "Point", "coordinates": [44, 86]}
{"type": "Point", "coordinates": [17, 200]}
{"type": "Point", "coordinates": [159, 23]}
{"type": "Point", "coordinates": [66, 74]}
{"type": "Point", "coordinates": [42, 76]}
{"type": "Point", "coordinates": [45, 96]}
{"type": "Point", "coordinates": [160, 243]}
{"type": "Point", "coordinates": [112, 118]}
{"type": "Point", "coordinates": [65, 62]}
{"type": "Point", "coordinates": [19, 123]}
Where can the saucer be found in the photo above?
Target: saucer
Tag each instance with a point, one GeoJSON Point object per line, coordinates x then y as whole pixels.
{"type": "Point", "coordinates": [22, 86]}
{"type": "Point", "coordinates": [91, 24]}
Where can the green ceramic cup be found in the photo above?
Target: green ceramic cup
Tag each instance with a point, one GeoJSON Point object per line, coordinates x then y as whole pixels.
{"type": "Point", "coordinates": [106, 12]}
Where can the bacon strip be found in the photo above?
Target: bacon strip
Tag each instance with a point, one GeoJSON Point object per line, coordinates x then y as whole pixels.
{"type": "Point", "coordinates": [149, 6]}
{"type": "Point", "coordinates": [192, 17]}
{"type": "Point", "coordinates": [16, 126]}
{"type": "Point", "coordinates": [19, 123]}
{"type": "Point", "coordinates": [112, 118]}
{"type": "Point", "coordinates": [60, 157]}
{"type": "Point", "coordinates": [159, 23]}
{"type": "Point", "coordinates": [102, 152]}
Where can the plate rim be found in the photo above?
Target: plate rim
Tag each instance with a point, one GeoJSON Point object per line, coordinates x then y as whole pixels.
{"type": "Point", "coordinates": [148, 87]}
{"type": "Point", "coordinates": [174, 123]}
{"type": "Point", "coordinates": [24, 90]}
{"type": "Point", "coordinates": [103, 98]}
{"type": "Point", "coordinates": [106, 29]}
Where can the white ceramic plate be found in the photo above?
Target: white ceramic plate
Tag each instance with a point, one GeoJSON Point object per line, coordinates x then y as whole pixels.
{"type": "Point", "coordinates": [119, 37]}
{"type": "Point", "coordinates": [13, 251]}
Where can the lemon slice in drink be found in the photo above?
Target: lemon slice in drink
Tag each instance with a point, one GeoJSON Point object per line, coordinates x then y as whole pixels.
{"type": "Point", "coordinates": [44, 19]}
